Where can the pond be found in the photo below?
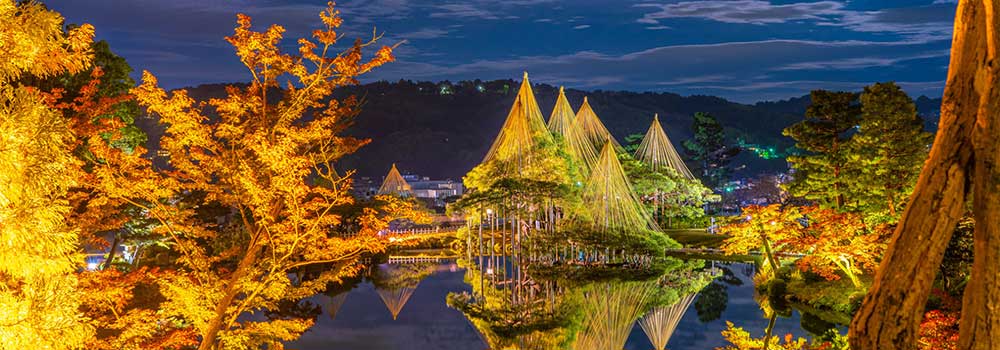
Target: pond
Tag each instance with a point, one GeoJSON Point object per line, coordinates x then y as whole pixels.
{"type": "Point", "coordinates": [373, 312]}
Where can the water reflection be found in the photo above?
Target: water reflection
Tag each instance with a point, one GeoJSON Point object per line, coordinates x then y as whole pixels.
{"type": "Point", "coordinates": [539, 303]}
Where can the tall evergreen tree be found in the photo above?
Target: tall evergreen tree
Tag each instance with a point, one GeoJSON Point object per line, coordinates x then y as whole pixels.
{"type": "Point", "coordinates": [709, 148]}
{"type": "Point", "coordinates": [819, 174]}
{"type": "Point", "coordinates": [888, 150]}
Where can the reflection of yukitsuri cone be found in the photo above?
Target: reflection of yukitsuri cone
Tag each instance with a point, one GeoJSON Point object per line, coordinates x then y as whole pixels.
{"type": "Point", "coordinates": [563, 122]}
{"type": "Point", "coordinates": [336, 302]}
{"type": "Point", "coordinates": [610, 312]}
{"type": "Point", "coordinates": [660, 323]}
{"type": "Point", "coordinates": [613, 203]}
{"type": "Point", "coordinates": [518, 135]}
{"type": "Point", "coordinates": [593, 128]}
{"type": "Point", "coordinates": [394, 183]}
{"type": "Point", "coordinates": [395, 299]}
{"type": "Point", "coordinates": [657, 151]}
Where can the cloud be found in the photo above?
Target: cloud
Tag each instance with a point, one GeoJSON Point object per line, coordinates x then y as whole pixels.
{"type": "Point", "coordinates": [863, 62]}
{"type": "Point", "coordinates": [657, 27]}
{"type": "Point", "coordinates": [425, 33]}
{"type": "Point", "coordinates": [743, 71]}
{"type": "Point", "coordinates": [742, 11]}
{"type": "Point", "coordinates": [582, 26]}
{"type": "Point", "coordinates": [921, 23]}
{"type": "Point", "coordinates": [463, 11]}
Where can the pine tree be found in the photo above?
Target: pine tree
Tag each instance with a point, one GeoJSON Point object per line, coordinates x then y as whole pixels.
{"type": "Point", "coordinates": [888, 151]}
{"type": "Point", "coordinates": [709, 149]}
{"type": "Point", "coordinates": [819, 174]}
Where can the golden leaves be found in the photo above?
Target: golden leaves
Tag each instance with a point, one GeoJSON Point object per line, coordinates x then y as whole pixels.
{"type": "Point", "coordinates": [260, 158]}
{"type": "Point", "coordinates": [32, 42]}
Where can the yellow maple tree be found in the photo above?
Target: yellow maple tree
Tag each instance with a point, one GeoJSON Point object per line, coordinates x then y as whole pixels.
{"type": "Point", "coordinates": [39, 306]}
{"type": "Point", "coordinates": [265, 157]}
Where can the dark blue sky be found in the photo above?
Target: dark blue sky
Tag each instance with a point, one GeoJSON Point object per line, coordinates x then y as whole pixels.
{"type": "Point", "coordinates": [744, 50]}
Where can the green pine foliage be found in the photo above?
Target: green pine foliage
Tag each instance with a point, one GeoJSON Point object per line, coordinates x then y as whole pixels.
{"type": "Point", "coordinates": [887, 152]}
{"type": "Point", "coordinates": [710, 150]}
{"type": "Point", "coordinates": [823, 135]}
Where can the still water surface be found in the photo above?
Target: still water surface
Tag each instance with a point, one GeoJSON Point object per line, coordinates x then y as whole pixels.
{"type": "Point", "coordinates": [425, 322]}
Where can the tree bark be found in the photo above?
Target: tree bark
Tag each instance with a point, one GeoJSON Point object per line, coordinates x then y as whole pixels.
{"type": "Point", "coordinates": [891, 313]}
{"type": "Point", "coordinates": [211, 331]}
{"type": "Point", "coordinates": [111, 252]}
{"type": "Point", "coordinates": [980, 324]}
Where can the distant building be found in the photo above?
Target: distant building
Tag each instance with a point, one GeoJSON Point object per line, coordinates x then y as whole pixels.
{"type": "Point", "coordinates": [424, 187]}
{"type": "Point", "coordinates": [434, 192]}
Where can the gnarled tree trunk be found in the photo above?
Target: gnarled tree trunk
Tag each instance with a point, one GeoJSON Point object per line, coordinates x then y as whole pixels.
{"type": "Point", "coordinates": [980, 325]}
{"type": "Point", "coordinates": [891, 314]}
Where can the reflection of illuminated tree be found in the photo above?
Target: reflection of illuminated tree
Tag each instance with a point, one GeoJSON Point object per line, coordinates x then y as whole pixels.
{"type": "Point", "coordinates": [610, 310]}
{"type": "Point", "coordinates": [712, 302]}
{"type": "Point", "coordinates": [395, 283]}
{"type": "Point", "coordinates": [532, 317]}
{"type": "Point", "coordinates": [660, 323]}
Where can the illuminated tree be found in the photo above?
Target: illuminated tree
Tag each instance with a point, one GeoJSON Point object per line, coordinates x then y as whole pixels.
{"type": "Point", "coordinates": [268, 159]}
{"type": "Point", "coordinates": [820, 174]}
{"type": "Point", "coordinates": [742, 340]}
{"type": "Point", "coordinates": [39, 304]}
{"type": "Point", "coordinates": [770, 228]}
{"type": "Point", "coordinates": [962, 167]}
{"type": "Point", "coordinates": [887, 151]}
{"type": "Point", "coordinates": [838, 242]}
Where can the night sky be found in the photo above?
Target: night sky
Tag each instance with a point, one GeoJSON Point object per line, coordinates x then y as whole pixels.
{"type": "Point", "coordinates": [744, 50]}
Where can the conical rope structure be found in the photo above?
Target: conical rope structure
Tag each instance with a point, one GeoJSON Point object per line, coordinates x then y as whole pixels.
{"type": "Point", "coordinates": [563, 122]}
{"type": "Point", "coordinates": [522, 130]}
{"type": "Point", "coordinates": [395, 283]}
{"type": "Point", "coordinates": [613, 203]}
{"type": "Point", "coordinates": [395, 299]}
{"type": "Point", "coordinates": [394, 183]}
{"type": "Point", "coordinates": [657, 151]}
{"type": "Point", "coordinates": [659, 324]}
{"type": "Point", "coordinates": [592, 127]}
{"type": "Point", "coordinates": [610, 313]}
{"type": "Point", "coordinates": [336, 302]}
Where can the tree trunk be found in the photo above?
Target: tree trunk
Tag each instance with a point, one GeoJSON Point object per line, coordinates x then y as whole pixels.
{"type": "Point", "coordinates": [980, 325]}
{"type": "Point", "coordinates": [111, 252]}
{"type": "Point", "coordinates": [891, 314]}
{"type": "Point", "coordinates": [232, 290]}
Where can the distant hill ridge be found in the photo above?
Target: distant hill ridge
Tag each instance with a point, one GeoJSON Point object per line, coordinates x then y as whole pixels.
{"type": "Point", "coordinates": [443, 129]}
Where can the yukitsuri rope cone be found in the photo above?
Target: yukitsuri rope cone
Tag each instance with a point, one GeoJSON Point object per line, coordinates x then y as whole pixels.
{"type": "Point", "coordinates": [523, 128]}
{"type": "Point", "coordinates": [394, 183]}
{"type": "Point", "coordinates": [611, 310]}
{"type": "Point", "coordinates": [657, 151]}
{"type": "Point", "coordinates": [593, 128]}
{"type": "Point", "coordinates": [563, 122]}
{"type": "Point", "coordinates": [659, 324]}
{"type": "Point", "coordinates": [612, 200]}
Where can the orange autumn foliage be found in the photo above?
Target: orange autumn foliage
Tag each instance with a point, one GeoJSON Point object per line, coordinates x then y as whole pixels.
{"type": "Point", "coordinates": [740, 339]}
{"type": "Point", "coordinates": [839, 242]}
{"type": "Point", "coordinates": [769, 228]}
{"type": "Point", "coordinates": [939, 330]}
{"type": "Point", "coordinates": [262, 157]}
